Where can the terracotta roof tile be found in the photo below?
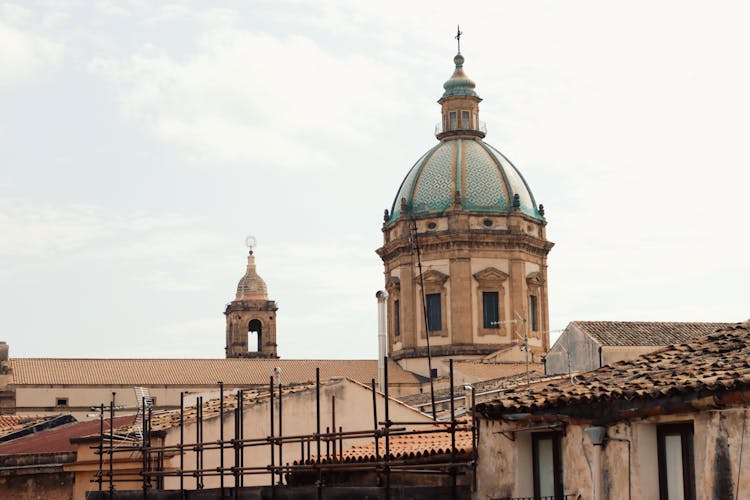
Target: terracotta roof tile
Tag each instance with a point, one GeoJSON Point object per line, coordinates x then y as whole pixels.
{"type": "Point", "coordinates": [193, 372]}
{"type": "Point", "coordinates": [435, 441]}
{"type": "Point", "coordinates": [645, 333]}
{"type": "Point", "coordinates": [719, 361]}
{"type": "Point", "coordinates": [57, 439]}
{"type": "Point", "coordinates": [13, 423]}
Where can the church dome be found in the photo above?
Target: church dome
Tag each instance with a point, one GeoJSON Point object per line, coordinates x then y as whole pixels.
{"type": "Point", "coordinates": [251, 286]}
{"type": "Point", "coordinates": [463, 174]}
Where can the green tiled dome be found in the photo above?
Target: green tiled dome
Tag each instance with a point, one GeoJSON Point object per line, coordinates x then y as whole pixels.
{"type": "Point", "coordinates": [486, 180]}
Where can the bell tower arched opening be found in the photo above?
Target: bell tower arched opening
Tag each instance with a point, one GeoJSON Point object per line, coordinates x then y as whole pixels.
{"type": "Point", "coordinates": [255, 330]}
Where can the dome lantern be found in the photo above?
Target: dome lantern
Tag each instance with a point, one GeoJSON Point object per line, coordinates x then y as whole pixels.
{"type": "Point", "coordinates": [460, 106]}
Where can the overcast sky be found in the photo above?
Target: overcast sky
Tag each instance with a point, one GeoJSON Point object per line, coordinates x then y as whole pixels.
{"type": "Point", "coordinates": [140, 142]}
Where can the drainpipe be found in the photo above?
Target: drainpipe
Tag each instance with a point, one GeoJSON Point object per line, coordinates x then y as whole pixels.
{"type": "Point", "coordinates": [382, 297]}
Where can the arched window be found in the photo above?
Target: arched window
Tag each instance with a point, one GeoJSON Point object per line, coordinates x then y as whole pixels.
{"type": "Point", "coordinates": [255, 327]}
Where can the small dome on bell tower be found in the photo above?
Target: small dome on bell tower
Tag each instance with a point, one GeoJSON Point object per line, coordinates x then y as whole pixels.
{"type": "Point", "coordinates": [251, 286]}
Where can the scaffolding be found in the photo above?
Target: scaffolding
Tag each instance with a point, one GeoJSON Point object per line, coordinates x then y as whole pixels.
{"type": "Point", "coordinates": [321, 454]}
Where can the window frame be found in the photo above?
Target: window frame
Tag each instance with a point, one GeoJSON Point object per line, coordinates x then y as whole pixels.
{"type": "Point", "coordinates": [557, 465]}
{"type": "Point", "coordinates": [62, 402]}
{"type": "Point", "coordinates": [533, 313]}
{"type": "Point", "coordinates": [491, 280]}
{"type": "Point", "coordinates": [687, 444]}
{"type": "Point", "coordinates": [493, 324]}
{"type": "Point", "coordinates": [397, 318]}
{"type": "Point", "coordinates": [436, 303]}
{"type": "Point", "coordinates": [433, 282]}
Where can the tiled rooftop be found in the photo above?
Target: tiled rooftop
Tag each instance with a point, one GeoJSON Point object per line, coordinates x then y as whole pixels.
{"type": "Point", "coordinates": [645, 333]}
{"type": "Point", "coordinates": [413, 445]}
{"type": "Point", "coordinates": [193, 372]}
{"type": "Point", "coordinates": [57, 439]}
{"type": "Point", "coordinates": [717, 362]}
{"type": "Point", "coordinates": [13, 423]}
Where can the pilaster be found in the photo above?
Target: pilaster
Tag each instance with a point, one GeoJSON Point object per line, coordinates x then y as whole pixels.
{"type": "Point", "coordinates": [518, 297]}
{"type": "Point", "coordinates": [460, 301]}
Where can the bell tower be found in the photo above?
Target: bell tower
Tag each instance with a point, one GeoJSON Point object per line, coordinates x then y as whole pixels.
{"type": "Point", "coordinates": [251, 318]}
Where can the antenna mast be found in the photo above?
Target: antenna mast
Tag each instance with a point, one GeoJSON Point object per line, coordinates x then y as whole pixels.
{"type": "Point", "coordinates": [415, 245]}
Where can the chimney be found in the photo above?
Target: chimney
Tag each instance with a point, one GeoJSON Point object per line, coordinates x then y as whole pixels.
{"type": "Point", "coordinates": [382, 297]}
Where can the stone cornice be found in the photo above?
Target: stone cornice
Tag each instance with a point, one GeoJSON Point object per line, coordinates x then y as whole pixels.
{"type": "Point", "coordinates": [251, 305]}
{"type": "Point", "coordinates": [517, 214]}
{"type": "Point", "coordinates": [446, 350]}
{"type": "Point", "coordinates": [467, 241]}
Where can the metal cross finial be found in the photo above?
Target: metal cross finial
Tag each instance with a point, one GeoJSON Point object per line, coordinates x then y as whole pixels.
{"type": "Point", "coordinates": [458, 37]}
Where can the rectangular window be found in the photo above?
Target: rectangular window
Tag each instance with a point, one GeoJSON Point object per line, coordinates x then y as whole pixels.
{"type": "Point", "coordinates": [61, 402]}
{"type": "Point", "coordinates": [547, 457]}
{"type": "Point", "coordinates": [491, 309]}
{"type": "Point", "coordinates": [434, 312]}
{"type": "Point", "coordinates": [533, 313]}
{"type": "Point", "coordinates": [396, 318]}
{"type": "Point", "coordinates": [453, 120]}
{"type": "Point", "coordinates": [676, 465]}
{"type": "Point", "coordinates": [465, 120]}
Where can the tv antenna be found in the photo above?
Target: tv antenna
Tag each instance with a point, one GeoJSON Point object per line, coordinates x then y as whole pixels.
{"type": "Point", "coordinates": [414, 240]}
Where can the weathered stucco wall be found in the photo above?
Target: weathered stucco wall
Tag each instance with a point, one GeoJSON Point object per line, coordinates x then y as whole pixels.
{"type": "Point", "coordinates": [583, 352]}
{"type": "Point", "coordinates": [626, 466]}
{"type": "Point", "coordinates": [353, 404]}
{"type": "Point", "coordinates": [36, 485]}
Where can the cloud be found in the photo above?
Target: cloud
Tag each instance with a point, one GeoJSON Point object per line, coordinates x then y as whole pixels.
{"type": "Point", "coordinates": [194, 327]}
{"type": "Point", "coordinates": [254, 98]}
{"type": "Point", "coordinates": [109, 8]}
{"type": "Point", "coordinates": [33, 228]}
{"type": "Point", "coordinates": [22, 51]}
{"type": "Point", "coordinates": [160, 280]}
